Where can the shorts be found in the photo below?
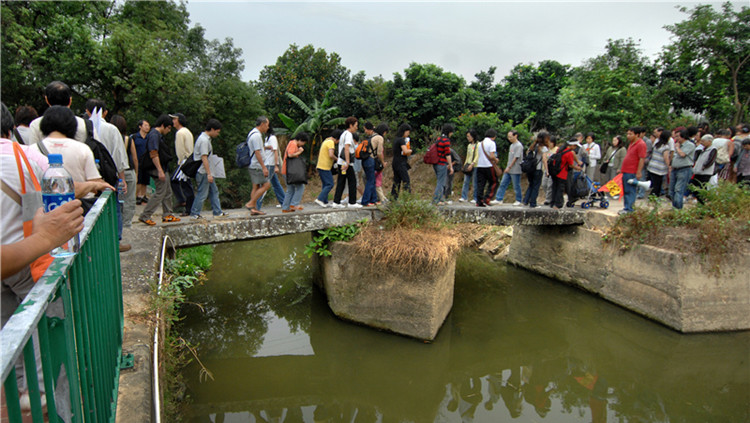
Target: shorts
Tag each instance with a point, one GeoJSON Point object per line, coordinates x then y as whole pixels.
{"type": "Point", "coordinates": [257, 178]}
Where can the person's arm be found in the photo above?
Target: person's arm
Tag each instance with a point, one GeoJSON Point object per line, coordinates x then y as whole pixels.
{"type": "Point", "coordinates": [405, 151]}
{"type": "Point", "coordinates": [154, 154]}
{"type": "Point", "coordinates": [665, 154]}
{"type": "Point", "coordinates": [259, 157]}
{"type": "Point", "coordinates": [50, 230]}
{"type": "Point", "coordinates": [381, 155]}
{"type": "Point", "coordinates": [134, 155]}
{"type": "Point", "coordinates": [730, 147]}
{"type": "Point", "coordinates": [204, 159]}
{"type": "Point", "coordinates": [94, 185]}
{"type": "Point", "coordinates": [332, 153]}
{"type": "Point", "coordinates": [639, 171]}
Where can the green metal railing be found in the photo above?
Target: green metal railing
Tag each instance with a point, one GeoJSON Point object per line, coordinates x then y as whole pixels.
{"type": "Point", "coordinates": [74, 313]}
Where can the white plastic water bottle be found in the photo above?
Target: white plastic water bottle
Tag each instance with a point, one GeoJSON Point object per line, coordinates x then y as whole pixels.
{"type": "Point", "coordinates": [58, 189]}
{"type": "Point", "coordinates": [120, 191]}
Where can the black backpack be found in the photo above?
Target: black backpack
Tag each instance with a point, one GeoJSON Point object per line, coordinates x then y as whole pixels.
{"type": "Point", "coordinates": [554, 163]}
{"type": "Point", "coordinates": [528, 165]}
{"type": "Point", "coordinates": [107, 167]}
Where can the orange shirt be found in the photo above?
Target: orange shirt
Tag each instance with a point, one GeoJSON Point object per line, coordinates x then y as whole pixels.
{"type": "Point", "coordinates": [291, 149]}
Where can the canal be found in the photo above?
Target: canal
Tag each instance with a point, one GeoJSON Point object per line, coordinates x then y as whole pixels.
{"type": "Point", "coordinates": [516, 347]}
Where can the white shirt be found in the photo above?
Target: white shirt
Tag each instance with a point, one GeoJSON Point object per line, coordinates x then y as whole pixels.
{"type": "Point", "coordinates": [78, 159]}
{"type": "Point", "coordinates": [488, 146]}
{"type": "Point", "coordinates": [347, 139]}
{"type": "Point", "coordinates": [594, 152]}
{"type": "Point", "coordinates": [36, 132]}
{"type": "Point", "coordinates": [111, 137]}
{"type": "Point", "coordinates": [11, 224]}
{"type": "Point", "coordinates": [269, 150]}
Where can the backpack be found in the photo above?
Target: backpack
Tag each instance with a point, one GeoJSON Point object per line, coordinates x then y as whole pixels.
{"type": "Point", "coordinates": [528, 165]}
{"type": "Point", "coordinates": [431, 157]}
{"type": "Point", "coordinates": [244, 156]}
{"type": "Point", "coordinates": [363, 150]}
{"type": "Point", "coordinates": [107, 167]}
{"type": "Point", "coordinates": [554, 163]}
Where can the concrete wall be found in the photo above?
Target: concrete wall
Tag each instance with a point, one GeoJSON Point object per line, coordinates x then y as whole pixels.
{"type": "Point", "coordinates": [409, 304]}
{"type": "Point", "coordinates": [667, 286]}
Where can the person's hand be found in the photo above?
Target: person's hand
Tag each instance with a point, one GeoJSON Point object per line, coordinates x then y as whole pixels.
{"type": "Point", "coordinates": [60, 224]}
{"type": "Point", "coordinates": [277, 170]}
{"type": "Point", "coordinates": [83, 188]}
{"type": "Point", "coordinates": [210, 179]}
{"type": "Point", "coordinates": [265, 172]}
{"type": "Point", "coordinates": [638, 175]}
{"type": "Point", "coordinates": [162, 176]}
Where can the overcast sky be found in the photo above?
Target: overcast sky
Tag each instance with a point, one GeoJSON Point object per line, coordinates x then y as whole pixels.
{"type": "Point", "coordinates": [460, 36]}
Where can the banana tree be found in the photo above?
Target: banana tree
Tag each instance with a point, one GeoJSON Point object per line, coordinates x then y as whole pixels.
{"type": "Point", "coordinates": [320, 116]}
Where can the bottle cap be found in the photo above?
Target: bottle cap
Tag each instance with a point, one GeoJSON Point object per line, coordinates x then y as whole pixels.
{"type": "Point", "coordinates": [55, 159]}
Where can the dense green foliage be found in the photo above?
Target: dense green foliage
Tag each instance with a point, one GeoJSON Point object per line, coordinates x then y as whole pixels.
{"type": "Point", "coordinates": [323, 238]}
{"type": "Point", "coordinates": [410, 212]}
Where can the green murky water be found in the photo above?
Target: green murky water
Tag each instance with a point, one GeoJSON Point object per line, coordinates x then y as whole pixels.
{"type": "Point", "coordinates": [516, 347]}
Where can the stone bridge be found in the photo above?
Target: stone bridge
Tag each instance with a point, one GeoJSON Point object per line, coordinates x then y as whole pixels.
{"type": "Point", "coordinates": [191, 233]}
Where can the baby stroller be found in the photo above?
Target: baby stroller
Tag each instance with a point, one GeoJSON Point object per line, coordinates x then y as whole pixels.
{"type": "Point", "coordinates": [588, 190]}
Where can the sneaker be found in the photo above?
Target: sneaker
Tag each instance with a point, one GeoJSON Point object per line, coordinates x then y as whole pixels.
{"type": "Point", "coordinates": [517, 203]}
{"type": "Point", "coordinates": [320, 203]}
{"type": "Point", "coordinates": [337, 206]}
{"type": "Point", "coordinates": [463, 200]}
{"type": "Point", "coordinates": [355, 206]}
{"type": "Point", "coordinates": [493, 202]}
{"type": "Point", "coordinates": [481, 205]}
{"type": "Point", "coordinates": [278, 206]}
{"type": "Point", "coordinates": [222, 214]}
{"type": "Point", "coordinates": [125, 247]}
{"type": "Point", "coordinates": [449, 202]}
{"type": "Point", "coordinates": [546, 203]}
{"type": "Point", "coordinates": [197, 217]}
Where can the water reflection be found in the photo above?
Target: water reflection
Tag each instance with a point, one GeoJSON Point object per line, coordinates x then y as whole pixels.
{"type": "Point", "coordinates": [516, 347]}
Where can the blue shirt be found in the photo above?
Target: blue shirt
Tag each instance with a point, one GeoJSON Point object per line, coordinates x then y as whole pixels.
{"type": "Point", "coordinates": [140, 144]}
{"type": "Point", "coordinates": [152, 140]}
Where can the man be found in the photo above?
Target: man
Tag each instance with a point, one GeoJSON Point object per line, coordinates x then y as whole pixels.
{"type": "Point", "coordinates": [259, 173]}
{"type": "Point", "coordinates": [632, 167]}
{"type": "Point", "coordinates": [378, 150]}
{"type": "Point", "coordinates": [111, 138]}
{"type": "Point", "coordinates": [512, 171]}
{"type": "Point", "coordinates": [204, 178]}
{"type": "Point", "coordinates": [57, 93]}
{"type": "Point", "coordinates": [158, 161]}
{"type": "Point", "coordinates": [347, 146]}
{"type": "Point", "coordinates": [401, 152]}
{"type": "Point", "coordinates": [682, 168]}
{"type": "Point", "coordinates": [183, 146]}
{"type": "Point", "coordinates": [443, 166]}
{"type": "Point", "coordinates": [369, 196]}
{"type": "Point", "coordinates": [485, 172]}
{"type": "Point", "coordinates": [641, 192]}
{"type": "Point", "coordinates": [705, 164]}
{"type": "Point", "coordinates": [273, 162]}
{"type": "Point", "coordinates": [139, 139]}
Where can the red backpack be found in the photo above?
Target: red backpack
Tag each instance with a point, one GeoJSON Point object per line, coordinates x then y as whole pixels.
{"type": "Point", "coordinates": [431, 157]}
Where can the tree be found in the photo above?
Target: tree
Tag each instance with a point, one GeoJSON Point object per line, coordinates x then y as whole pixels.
{"type": "Point", "coordinates": [320, 115]}
{"type": "Point", "coordinates": [530, 92]}
{"type": "Point", "coordinates": [427, 97]}
{"type": "Point", "coordinates": [611, 92]}
{"type": "Point", "coordinates": [307, 73]}
{"type": "Point", "coordinates": [484, 84]}
{"type": "Point", "coordinates": [364, 98]}
{"type": "Point", "coordinates": [717, 44]}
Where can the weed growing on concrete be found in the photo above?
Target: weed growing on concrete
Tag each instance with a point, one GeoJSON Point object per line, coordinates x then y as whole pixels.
{"type": "Point", "coordinates": [409, 212]}
{"type": "Point", "coordinates": [322, 239]}
{"type": "Point", "coordinates": [714, 230]}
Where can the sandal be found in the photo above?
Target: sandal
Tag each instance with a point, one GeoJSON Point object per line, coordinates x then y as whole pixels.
{"type": "Point", "coordinates": [254, 212]}
{"type": "Point", "coordinates": [170, 218]}
{"type": "Point", "coordinates": [296, 207]}
{"type": "Point", "coordinates": [149, 222]}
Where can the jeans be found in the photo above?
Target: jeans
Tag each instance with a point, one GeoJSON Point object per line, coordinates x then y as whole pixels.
{"type": "Point", "coordinates": [532, 192]}
{"type": "Point", "coordinates": [629, 191]}
{"type": "Point", "coordinates": [205, 189]}
{"type": "Point", "coordinates": [293, 195]}
{"type": "Point", "coordinates": [441, 171]}
{"type": "Point", "coordinates": [507, 178]}
{"type": "Point", "coordinates": [470, 180]}
{"type": "Point", "coordinates": [278, 190]}
{"type": "Point", "coordinates": [327, 179]}
{"type": "Point", "coordinates": [119, 217]}
{"type": "Point", "coordinates": [369, 196]}
{"type": "Point", "coordinates": [678, 185]}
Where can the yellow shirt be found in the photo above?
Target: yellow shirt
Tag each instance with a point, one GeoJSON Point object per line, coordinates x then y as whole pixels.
{"type": "Point", "coordinates": [325, 161]}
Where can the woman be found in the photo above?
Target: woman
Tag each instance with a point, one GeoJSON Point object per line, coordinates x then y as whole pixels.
{"type": "Point", "coordinates": [470, 165]}
{"type": "Point", "coordinates": [378, 150]}
{"type": "Point", "coordinates": [128, 206]}
{"type": "Point", "coordinates": [658, 165]}
{"type": "Point", "coordinates": [401, 152]}
{"type": "Point", "coordinates": [271, 160]}
{"type": "Point", "coordinates": [546, 178]}
{"type": "Point", "coordinates": [326, 159]}
{"type": "Point", "coordinates": [294, 192]}
{"type": "Point", "coordinates": [614, 157]}
{"type": "Point", "coordinates": [594, 153]}
{"type": "Point", "coordinates": [139, 138]}
{"type": "Point", "coordinates": [539, 147]}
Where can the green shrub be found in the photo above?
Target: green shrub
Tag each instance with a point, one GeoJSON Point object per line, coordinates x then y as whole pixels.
{"type": "Point", "coordinates": [410, 212]}
{"type": "Point", "coordinates": [323, 238]}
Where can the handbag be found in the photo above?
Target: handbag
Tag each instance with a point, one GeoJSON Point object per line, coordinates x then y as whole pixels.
{"type": "Point", "coordinates": [603, 167]}
{"type": "Point", "coordinates": [467, 169]}
{"type": "Point", "coordinates": [495, 168]}
{"type": "Point", "coordinates": [378, 165]}
{"type": "Point", "coordinates": [296, 170]}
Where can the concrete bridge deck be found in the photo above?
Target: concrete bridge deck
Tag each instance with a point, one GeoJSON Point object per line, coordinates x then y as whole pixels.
{"type": "Point", "coordinates": [241, 226]}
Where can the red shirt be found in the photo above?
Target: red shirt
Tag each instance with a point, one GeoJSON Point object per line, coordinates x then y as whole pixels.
{"type": "Point", "coordinates": [636, 151]}
{"type": "Point", "coordinates": [568, 158]}
{"type": "Point", "coordinates": [443, 150]}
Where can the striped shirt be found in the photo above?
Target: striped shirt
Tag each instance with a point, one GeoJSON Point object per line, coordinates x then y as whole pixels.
{"type": "Point", "coordinates": [656, 165]}
{"type": "Point", "coordinates": [443, 150]}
